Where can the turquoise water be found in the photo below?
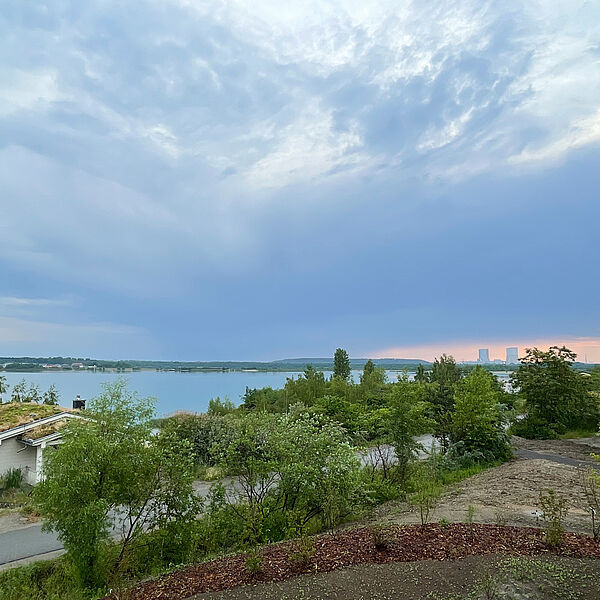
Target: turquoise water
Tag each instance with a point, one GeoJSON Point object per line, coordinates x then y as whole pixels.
{"type": "Point", "coordinates": [173, 391]}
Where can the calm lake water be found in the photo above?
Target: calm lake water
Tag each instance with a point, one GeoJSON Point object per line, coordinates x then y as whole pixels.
{"type": "Point", "coordinates": [173, 391]}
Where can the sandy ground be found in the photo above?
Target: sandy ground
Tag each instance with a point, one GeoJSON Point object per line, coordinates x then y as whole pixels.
{"type": "Point", "coordinates": [509, 494]}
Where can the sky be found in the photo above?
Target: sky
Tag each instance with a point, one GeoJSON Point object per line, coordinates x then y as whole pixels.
{"type": "Point", "coordinates": [226, 180]}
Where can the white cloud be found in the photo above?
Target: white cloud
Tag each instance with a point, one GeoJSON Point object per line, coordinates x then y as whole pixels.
{"type": "Point", "coordinates": [582, 132]}
{"type": "Point", "coordinates": [28, 91]}
{"type": "Point", "coordinates": [306, 149]}
{"type": "Point", "coordinates": [34, 302]}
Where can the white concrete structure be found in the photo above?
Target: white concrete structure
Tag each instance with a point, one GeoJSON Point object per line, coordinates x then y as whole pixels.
{"type": "Point", "coordinates": [22, 447]}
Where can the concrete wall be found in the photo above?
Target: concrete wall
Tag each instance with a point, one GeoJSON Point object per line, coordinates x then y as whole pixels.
{"type": "Point", "coordinates": [10, 457]}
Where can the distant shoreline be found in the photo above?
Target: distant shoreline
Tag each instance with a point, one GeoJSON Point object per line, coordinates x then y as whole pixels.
{"type": "Point", "coordinates": [55, 364]}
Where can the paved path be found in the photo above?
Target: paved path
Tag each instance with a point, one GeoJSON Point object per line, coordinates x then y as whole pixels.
{"type": "Point", "coordinates": [557, 458]}
{"type": "Point", "coordinates": [27, 542]}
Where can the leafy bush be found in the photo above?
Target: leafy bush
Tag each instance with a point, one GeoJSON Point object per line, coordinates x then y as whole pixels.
{"type": "Point", "coordinates": [381, 537]}
{"type": "Point", "coordinates": [554, 510]}
{"type": "Point", "coordinates": [44, 580]}
{"type": "Point", "coordinates": [253, 561]}
{"type": "Point", "coordinates": [427, 492]}
{"type": "Point", "coordinates": [303, 552]}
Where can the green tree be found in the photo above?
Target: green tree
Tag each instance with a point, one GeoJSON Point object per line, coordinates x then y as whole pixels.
{"type": "Point", "coordinates": [203, 433]}
{"type": "Point", "coordinates": [421, 375]}
{"type": "Point", "coordinates": [368, 369]}
{"type": "Point", "coordinates": [51, 396]}
{"type": "Point", "coordinates": [306, 388]}
{"type": "Point", "coordinates": [216, 406]}
{"type": "Point", "coordinates": [556, 396]}
{"type": "Point", "coordinates": [108, 471]}
{"type": "Point", "coordinates": [372, 383]}
{"type": "Point", "coordinates": [33, 393]}
{"type": "Point", "coordinates": [341, 364]}
{"type": "Point", "coordinates": [445, 374]}
{"type": "Point", "coordinates": [19, 391]}
{"type": "Point", "coordinates": [291, 469]}
{"type": "Point", "coordinates": [340, 410]}
{"type": "Point", "coordinates": [477, 418]}
{"type": "Point", "coordinates": [408, 419]}
{"type": "Point", "coordinates": [3, 387]}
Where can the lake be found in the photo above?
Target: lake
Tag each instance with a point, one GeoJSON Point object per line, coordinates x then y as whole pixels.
{"type": "Point", "coordinates": [173, 391]}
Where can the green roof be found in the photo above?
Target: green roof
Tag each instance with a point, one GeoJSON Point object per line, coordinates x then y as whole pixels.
{"type": "Point", "coordinates": [13, 414]}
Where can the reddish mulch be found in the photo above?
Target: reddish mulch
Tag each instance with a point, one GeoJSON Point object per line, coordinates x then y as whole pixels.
{"type": "Point", "coordinates": [356, 546]}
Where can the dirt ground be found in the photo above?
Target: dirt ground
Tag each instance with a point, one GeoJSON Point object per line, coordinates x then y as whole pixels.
{"type": "Point", "coordinates": [509, 494]}
{"type": "Point", "coordinates": [472, 578]}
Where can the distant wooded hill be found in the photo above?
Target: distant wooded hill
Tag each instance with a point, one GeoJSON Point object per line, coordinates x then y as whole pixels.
{"type": "Point", "coordinates": [30, 363]}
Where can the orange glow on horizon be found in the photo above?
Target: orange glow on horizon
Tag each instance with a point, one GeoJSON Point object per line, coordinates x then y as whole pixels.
{"type": "Point", "coordinates": [467, 350]}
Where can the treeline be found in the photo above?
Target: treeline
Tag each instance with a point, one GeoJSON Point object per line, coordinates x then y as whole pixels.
{"type": "Point", "coordinates": [30, 363]}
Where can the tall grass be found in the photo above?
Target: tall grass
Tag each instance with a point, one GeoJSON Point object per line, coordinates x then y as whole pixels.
{"type": "Point", "coordinates": [12, 479]}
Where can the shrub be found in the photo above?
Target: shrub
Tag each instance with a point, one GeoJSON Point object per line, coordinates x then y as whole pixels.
{"type": "Point", "coordinates": [253, 561]}
{"type": "Point", "coordinates": [470, 513]}
{"type": "Point", "coordinates": [426, 498]}
{"type": "Point", "coordinates": [381, 538]}
{"type": "Point", "coordinates": [554, 510]}
{"type": "Point", "coordinates": [591, 487]}
{"type": "Point", "coordinates": [303, 552]}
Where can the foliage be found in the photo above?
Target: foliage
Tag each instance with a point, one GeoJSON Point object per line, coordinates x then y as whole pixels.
{"type": "Point", "coordinates": [341, 364]}
{"type": "Point", "coordinates": [590, 479]}
{"type": "Point", "coordinates": [19, 392]}
{"type": "Point", "coordinates": [265, 399]}
{"type": "Point", "coordinates": [50, 396]}
{"type": "Point", "coordinates": [43, 580]}
{"type": "Point", "coordinates": [12, 479]}
{"type": "Point", "coordinates": [337, 409]}
{"type": "Point", "coordinates": [109, 470]}
{"type": "Point", "coordinates": [291, 470]}
{"type": "Point", "coordinates": [557, 398]}
{"type": "Point", "coordinates": [381, 537]}
{"type": "Point", "coordinates": [408, 419]}
{"type": "Point", "coordinates": [304, 550]}
{"type": "Point", "coordinates": [3, 387]}
{"type": "Point", "coordinates": [470, 513]}
{"type": "Point", "coordinates": [426, 494]}
{"type": "Point", "coordinates": [421, 376]}
{"type": "Point", "coordinates": [445, 374]}
{"type": "Point", "coordinates": [218, 407]}
{"type": "Point", "coordinates": [305, 389]}
{"type": "Point", "coordinates": [22, 393]}
{"type": "Point", "coordinates": [202, 433]}
{"type": "Point", "coordinates": [253, 561]}
{"type": "Point", "coordinates": [368, 369]}
{"type": "Point", "coordinates": [554, 510]}
{"type": "Point", "coordinates": [477, 421]}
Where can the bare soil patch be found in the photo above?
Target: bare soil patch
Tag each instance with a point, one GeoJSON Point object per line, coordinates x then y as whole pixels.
{"type": "Point", "coordinates": [578, 448]}
{"type": "Point", "coordinates": [356, 547]}
{"type": "Point", "coordinates": [509, 493]}
{"type": "Point", "coordinates": [472, 578]}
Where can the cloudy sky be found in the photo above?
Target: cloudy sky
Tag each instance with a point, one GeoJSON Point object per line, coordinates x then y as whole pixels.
{"type": "Point", "coordinates": [186, 179]}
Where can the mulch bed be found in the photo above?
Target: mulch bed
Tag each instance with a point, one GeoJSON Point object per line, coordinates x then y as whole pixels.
{"type": "Point", "coordinates": [357, 546]}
